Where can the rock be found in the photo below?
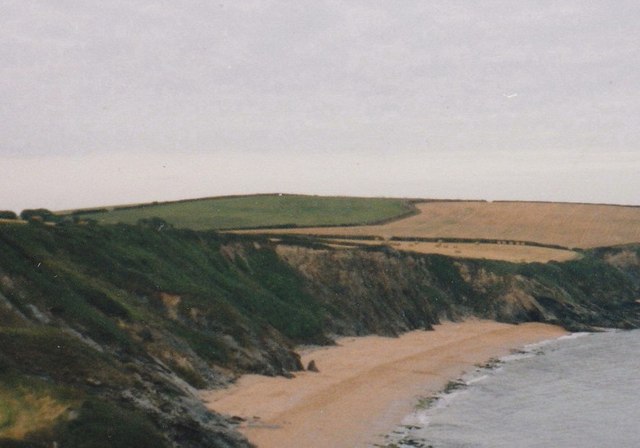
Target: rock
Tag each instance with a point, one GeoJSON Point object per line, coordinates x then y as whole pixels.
{"type": "Point", "coordinates": [93, 382]}
{"type": "Point", "coordinates": [312, 367]}
{"type": "Point", "coordinates": [236, 419]}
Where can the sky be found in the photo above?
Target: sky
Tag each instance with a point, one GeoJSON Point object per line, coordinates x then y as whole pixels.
{"type": "Point", "coordinates": [128, 101]}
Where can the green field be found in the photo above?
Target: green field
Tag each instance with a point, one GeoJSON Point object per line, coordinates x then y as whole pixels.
{"type": "Point", "coordinates": [242, 212]}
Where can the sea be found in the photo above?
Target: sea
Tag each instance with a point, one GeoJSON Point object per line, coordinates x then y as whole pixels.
{"type": "Point", "coordinates": [581, 390]}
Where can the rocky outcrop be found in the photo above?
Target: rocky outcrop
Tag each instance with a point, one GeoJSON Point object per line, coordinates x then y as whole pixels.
{"type": "Point", "coordinates": [312, 367]}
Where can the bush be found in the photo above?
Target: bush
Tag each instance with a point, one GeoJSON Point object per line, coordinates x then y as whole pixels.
{"type": "Point", "coordinates": [7, 214]}
{"type": "Point", "coordinates": [37, 214]}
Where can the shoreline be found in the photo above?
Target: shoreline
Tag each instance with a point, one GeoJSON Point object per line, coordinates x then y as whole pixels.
{"type": "Point", "coordinates": [366, 385]}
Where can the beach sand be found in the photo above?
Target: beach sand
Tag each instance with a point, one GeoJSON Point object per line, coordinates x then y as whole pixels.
{"type": "Point", "coordinates": [366, 385]}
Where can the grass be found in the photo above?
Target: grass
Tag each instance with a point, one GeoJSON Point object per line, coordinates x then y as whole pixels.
{"type": "Point", "coordinates": [241, 212]}
{"type": "Point", "coordinates": [42, 395]}
{"type": "Point", "coordinates": [107, 279]}
{"type": "Point", "coordinates": [42, 350]}
{"type": "Point", "coordinates": [234, 298]}
{"type": "Point", "coordinates": [29, 405]}
{"type": "Point", "coordinates": [104, 425]}
{"type": "Point", "coordinates": [34, 412]}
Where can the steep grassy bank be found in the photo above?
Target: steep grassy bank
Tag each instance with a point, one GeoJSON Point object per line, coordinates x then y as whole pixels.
{"type": "Point", "coordinates": [137, 317]}
{"type": "Point", "coordinates": [105, 331]}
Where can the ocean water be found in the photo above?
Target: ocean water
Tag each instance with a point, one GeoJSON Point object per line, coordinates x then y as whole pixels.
{"type": "Point", "coordinates": [581, 390]}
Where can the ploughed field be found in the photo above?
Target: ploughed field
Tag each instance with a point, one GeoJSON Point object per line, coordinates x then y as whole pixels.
{"type": "Point", "coordinates": [512, 231]}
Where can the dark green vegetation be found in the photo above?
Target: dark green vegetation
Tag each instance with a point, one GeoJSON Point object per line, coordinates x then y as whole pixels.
{"type": "Point", "coordinates": [259, 211]}
{"type": "Point", "coordinates": [105, 330]}
{"type": "Point", "coordinates": [125, 307]}
{"type": "Point", "coordinates": [40, 214]}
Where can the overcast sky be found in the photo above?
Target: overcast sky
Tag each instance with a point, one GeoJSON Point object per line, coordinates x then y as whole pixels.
{"type": "Point", "coordinates": [107, 102]}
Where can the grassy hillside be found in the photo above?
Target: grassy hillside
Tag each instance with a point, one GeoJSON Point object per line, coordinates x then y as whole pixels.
{"type": "Point", "coordinates": [122, 315]}
{"type": "Point", "coordinates": [260, 211]}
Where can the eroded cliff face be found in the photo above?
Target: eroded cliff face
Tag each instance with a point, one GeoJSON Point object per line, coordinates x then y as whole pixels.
{"type": "Point", "coordinates": [124, 323]}
{"type": "Point", "coordinates": [388, 292]}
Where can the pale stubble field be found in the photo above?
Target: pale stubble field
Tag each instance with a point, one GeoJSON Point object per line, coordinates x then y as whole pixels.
{"type": "Point", "coordinates": [580, 226]}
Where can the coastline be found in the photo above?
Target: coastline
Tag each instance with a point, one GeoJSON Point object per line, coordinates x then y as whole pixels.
{"type": "Point", "coordinates": [366, 385]}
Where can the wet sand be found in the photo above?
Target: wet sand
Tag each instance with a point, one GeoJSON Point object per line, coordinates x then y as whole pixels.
{"type": "Point", "coordinates": [365, 385]}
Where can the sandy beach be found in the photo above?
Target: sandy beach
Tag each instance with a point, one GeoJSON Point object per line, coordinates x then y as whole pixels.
{"type": "Point", "coordinates": [365, 385]}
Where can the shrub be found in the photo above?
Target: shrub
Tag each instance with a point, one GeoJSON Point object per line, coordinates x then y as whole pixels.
{"type": "Point", "coordinates": [7, 214]}
{"type": "Point", "coordinates": [39, 214]}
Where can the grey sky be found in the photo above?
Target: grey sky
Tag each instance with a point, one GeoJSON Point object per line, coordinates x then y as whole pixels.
{"type": "Point", "coordinates": [127, 101]}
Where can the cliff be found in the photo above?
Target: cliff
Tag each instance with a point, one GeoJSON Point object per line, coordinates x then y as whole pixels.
{"type": "Point", "coordinates": [117, 326]}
